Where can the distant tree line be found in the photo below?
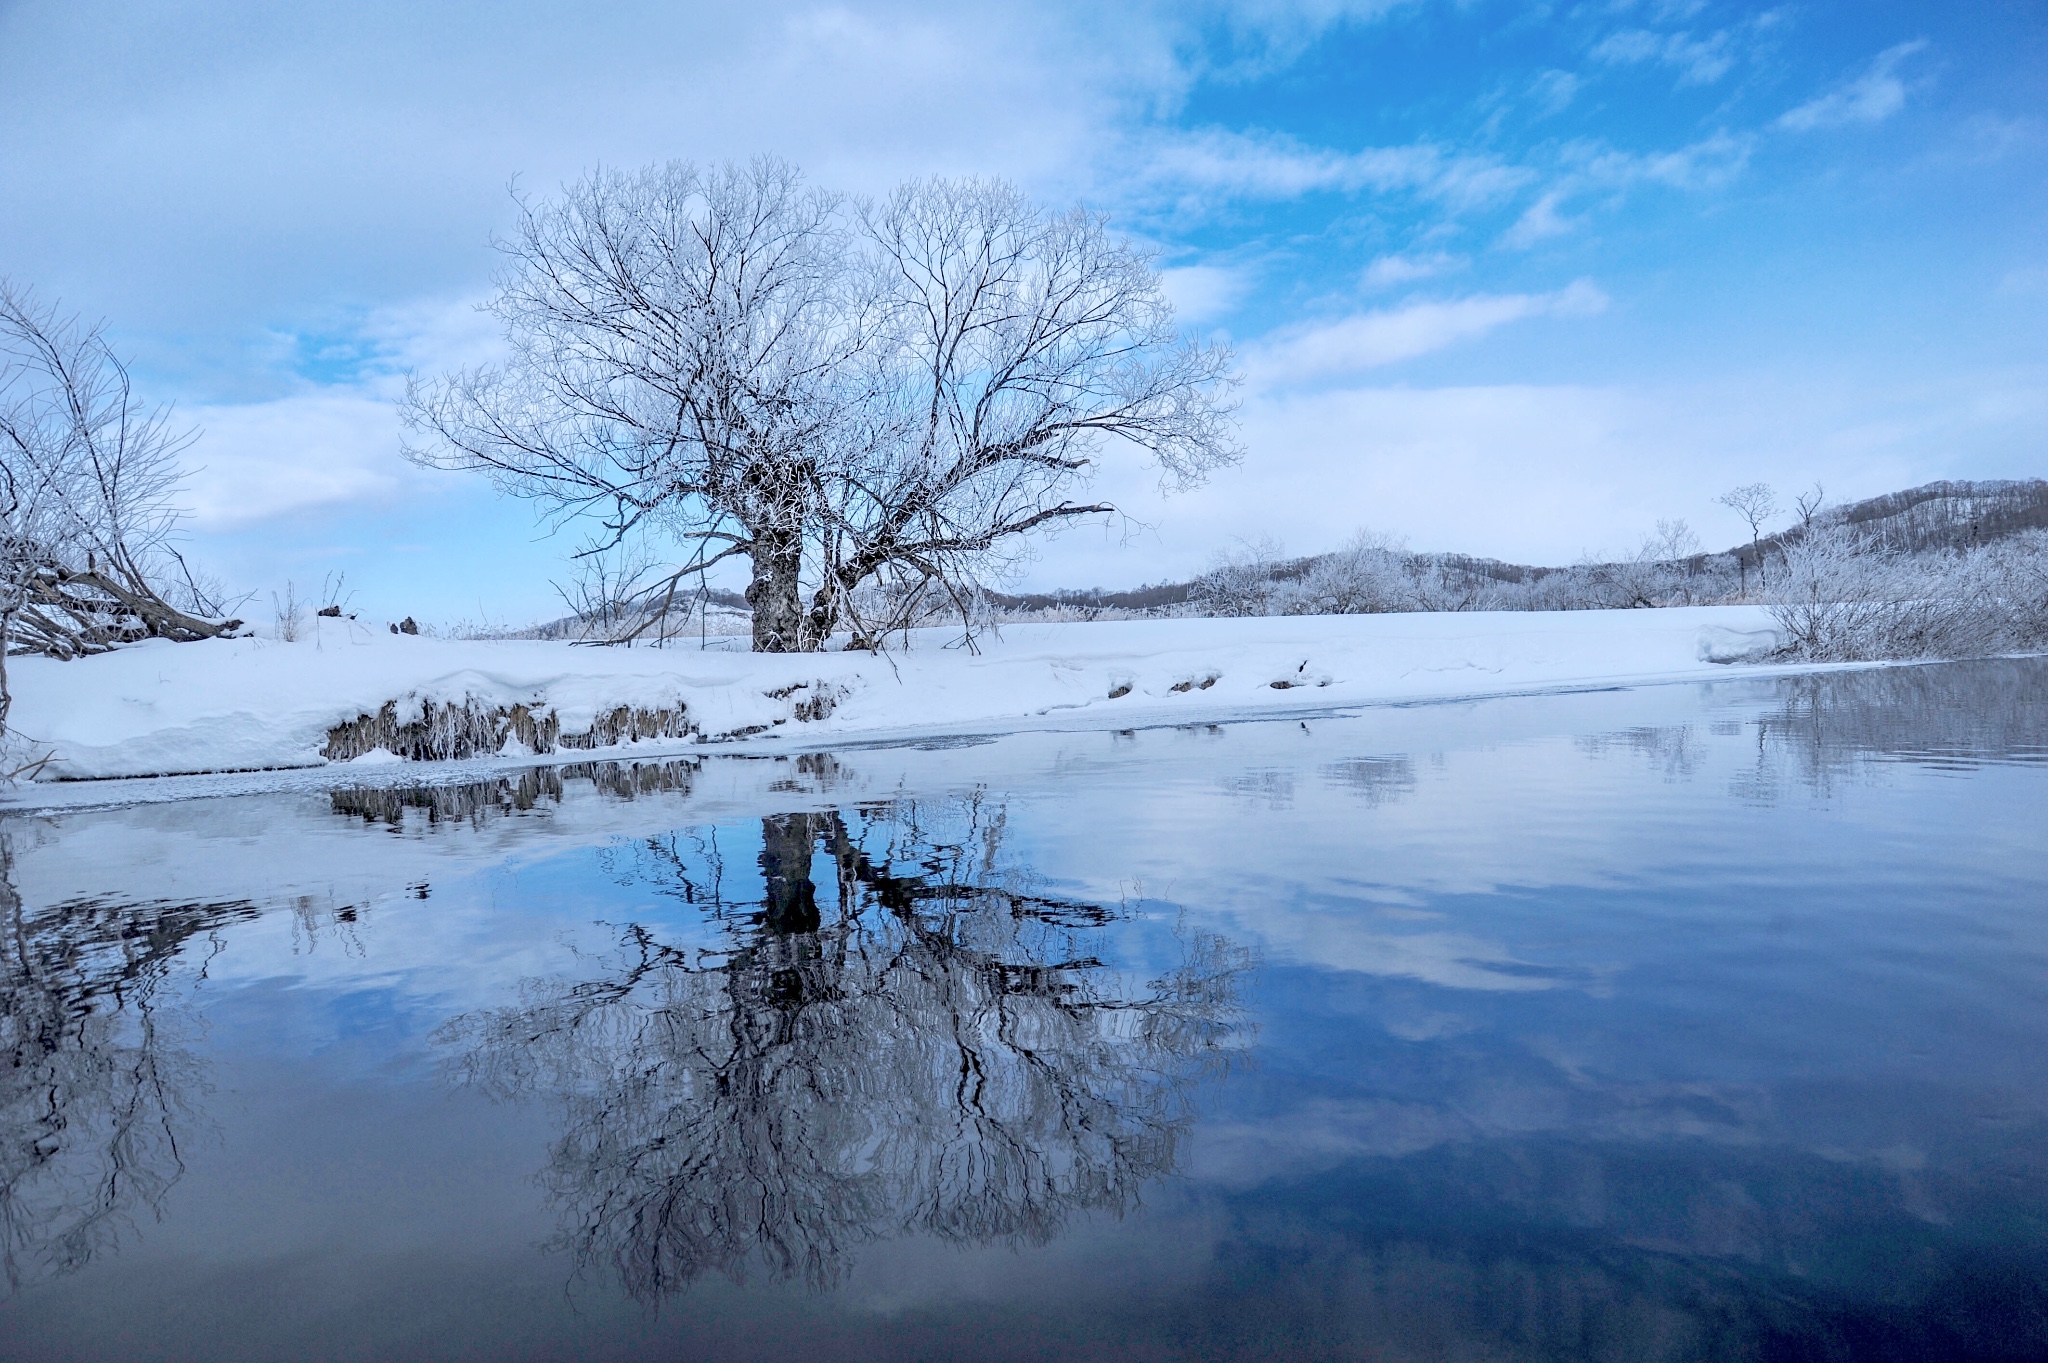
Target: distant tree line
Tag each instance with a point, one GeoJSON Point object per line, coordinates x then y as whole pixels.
{"type": "Point", "coordinates": [1948, 569]}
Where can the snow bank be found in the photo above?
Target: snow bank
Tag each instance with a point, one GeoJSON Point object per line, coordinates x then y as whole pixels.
{"type": "Point", "coordinates": [256, 704]}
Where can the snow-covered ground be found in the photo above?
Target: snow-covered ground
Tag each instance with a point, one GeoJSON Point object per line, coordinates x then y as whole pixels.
{"type": "Point", "coordinates": [256, 704]}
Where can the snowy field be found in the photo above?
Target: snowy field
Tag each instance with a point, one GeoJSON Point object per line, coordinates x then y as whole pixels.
{"type": "Point", "coordinates": [259, 704]}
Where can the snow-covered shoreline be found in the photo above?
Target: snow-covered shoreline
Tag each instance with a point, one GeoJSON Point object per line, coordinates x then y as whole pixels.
{"type": "Point", "coordinates": [257, 704]}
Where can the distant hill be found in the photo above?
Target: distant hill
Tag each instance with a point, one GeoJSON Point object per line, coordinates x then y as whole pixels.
{"type": "Point", "coordinates": [1943, 515]}
{"type": "Point", "coordinates": [1935, 516]}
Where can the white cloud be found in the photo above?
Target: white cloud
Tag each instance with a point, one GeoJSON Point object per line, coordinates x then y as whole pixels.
{"type": "Point", "coordinates": [1872, 97]}
{"type": "Point", "coordinates": [1203, 293]}
{"type": "Point", "coordinates": [1541, 221]}
{"type": "Point", "coordinates": [311, 451]}
{"type": "Point", "coordinates": [1553, 90]}
{"type": "Point", "coordinates": [335, 445]}
{"type": "Point", "coordinates": [1700, 61]}
{"type": "Point", "coordinates": [1373, 339]}
{"type": "Point", "coordinates": [1270, 166]}
{"type": "Point", "coordinates": [1709, 163]}
{"type": "Point", "coordinates": [1390, 271]}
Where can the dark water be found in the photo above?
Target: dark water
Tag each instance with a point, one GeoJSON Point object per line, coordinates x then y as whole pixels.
{"type": "Point", "coordinates": [1678, 1023]}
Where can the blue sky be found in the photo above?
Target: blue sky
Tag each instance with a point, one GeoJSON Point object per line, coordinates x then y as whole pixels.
{"type": "Point", "coordinates": [1512, 278]}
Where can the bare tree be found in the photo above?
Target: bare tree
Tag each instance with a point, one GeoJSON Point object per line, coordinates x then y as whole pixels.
{"type": "Point", "coordinates": [891, 393]}
{"type": "Point", "coordinates": [1673, 542]}
{"type": "Point", "coordinates": [1755, 503]}
{"type": "Point", "coordinates": [87, 473]}
{"type": "Point", "coordinates": [1657, 574]}
{"type": "Point", "coordinates": [606, 596]}
{"type": "Point", "coordinates": [1809, 503]}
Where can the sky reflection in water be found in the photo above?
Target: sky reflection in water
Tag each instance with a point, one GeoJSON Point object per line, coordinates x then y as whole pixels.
{"type": "Point", "coordinates": [1672, 1023]}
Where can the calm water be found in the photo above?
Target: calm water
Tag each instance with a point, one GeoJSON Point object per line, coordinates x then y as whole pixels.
{"type": "Point", "coordinates": [1686, 1023]}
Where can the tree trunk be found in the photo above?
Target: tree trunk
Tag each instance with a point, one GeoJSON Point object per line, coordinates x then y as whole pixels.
{"type": "Point", "coordinates": [791, 905]}
{"type": "Point", "coordinates": [6, 696]}
{"type": "Point", "coordinates": [775, 594]}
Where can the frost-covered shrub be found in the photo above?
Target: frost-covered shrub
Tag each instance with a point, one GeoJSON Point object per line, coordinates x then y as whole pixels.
{"type": "Point", "coordinates": [1242, 581]}
{"type": "Point", "coordinates": [1439, 586]}
{"type": "Point", "coordinates": [2016, 573]}
{"type": "Point", "coordinates": [1366, 577]}
{"type": "Point", "coordinates": [1840, 598]}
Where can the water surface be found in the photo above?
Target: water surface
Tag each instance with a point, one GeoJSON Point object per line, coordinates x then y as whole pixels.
{"type": "Point", "coordinates": [1699, 1022]}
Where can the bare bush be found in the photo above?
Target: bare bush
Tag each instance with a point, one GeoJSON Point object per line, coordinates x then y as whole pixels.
{"type": "Point", "coordinates": [288, 614]}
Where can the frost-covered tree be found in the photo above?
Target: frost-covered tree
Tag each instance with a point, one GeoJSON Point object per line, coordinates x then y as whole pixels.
{"type": "Point", "coordinates": [87, 476]}
{"type": "Point", "coordinates": [675, 335]}
{"type": "Point", "coordinates": [842, 394]}
{"type": "Point", "coordinates": [1013, 344]}
{"type": "Point", "coordinates": [1845, 596]}
{"type": "Point", "coordinates": [1366, 576]}
{"type": "Point", "coordinates": [1243, 579]}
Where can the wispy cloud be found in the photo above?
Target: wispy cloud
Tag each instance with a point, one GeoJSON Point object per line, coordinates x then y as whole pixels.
{"type": "Point", "coordinates": [1592, 169]}
{"type": "Point", "coordinates": [1370, 340]}
{"type": "Point", "coordinates": [1872, 97]}
{"type": "Point", "coordinates": [1709, 163]}
{"type": "Point", "coordinates": [309, 451]}
{"type": "Point", "coordinates": [1700, 61]}
{"type": "Point", "coordinates": [1552, 90]}
{"type": "Point", "coordinates": [1392, 271]}
{"type": "Point", "coordinates": [1270, 166]}
{"type": "Point", "coordinates": [1540, 222]}
{"type": "Point", "coordinates": [2026, 281]}
{"type": "Point", "coordinates": [334, 442]}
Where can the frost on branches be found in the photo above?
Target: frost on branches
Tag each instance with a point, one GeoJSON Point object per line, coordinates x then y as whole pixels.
{"type": "Point", "coordinates": [871, 402]}
{"type": "Point", "coordinates": [86, 476]}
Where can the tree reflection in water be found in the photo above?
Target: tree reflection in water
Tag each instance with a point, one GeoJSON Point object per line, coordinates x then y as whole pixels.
{"type": "Point", "coordinates": [1837, 726]}
{"type": "Point", "coordinates": [940, 1053]}
{"type": "Point", "coordinates": [94, 1082]}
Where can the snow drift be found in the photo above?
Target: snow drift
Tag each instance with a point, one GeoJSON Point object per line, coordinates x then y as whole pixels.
{"type": "Point", "coordinates": [351, 691]}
